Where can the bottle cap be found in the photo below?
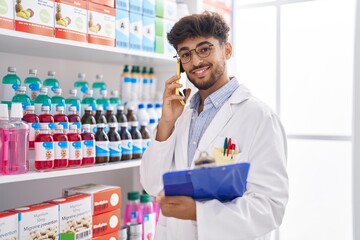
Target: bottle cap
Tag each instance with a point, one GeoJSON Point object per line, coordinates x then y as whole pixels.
{"type": "Point", "coordinates": [158, 105]}
{"type": "Point", "coordinates": [45, 108]}
{"type": "Point", "coordinates": [86, 127]}
{"type": "Point", "coordinates": [30, 108]}
{"type": "Point", "coordinates": [12, 69]}
{"type": "Point", "coordinates": [99, 107]}
{"type": "Point", "coordinates": [103, 92]}
{"type": "Point", "coordinates": [44, 90]}
{"type": "Point", "coordinates": [88, 108]}
{"type": "Point", "coordinates": [100, 125]}
{"type": "Point", "coordinates": [144, 123]}
{"type": "Point", "coordinates": [58, 91]}
{"type": "Point", "coordinates": [135, 124]}
{"type": "Point", "coordinates": [124, 124]}
{"type": "Point", "coordinates": [4, 113]}
{"type": "Point", "coordinates": [133, 196]}
{"type": "Point", "coordinates": [51, 73]}
{"type": "Point", "coordinates": [152, 121]}
{"type": "Point", "coordinates": [73, 127]}
{"type": "Point", "coordinates": [33, 71]}
{"type": "Point", "coordinates": [110, 108]}
{"type": "Point", "coordinates": [120, 108]}
{"type": "Point", "coordinates": [90, 92]}
{"type": "Point", "coordinates": [141, 106]}
{"type": "Point", "coordinates": [145, 198]}
{"type": "Point", "coordinates": [82, 76]}
{"type": "Point", "coordinates": [113, 125]}
{"type": "Point", "coordinates": [150, 105]}
{"type": "Point", "coordinates": [59, 127]}
{"type": "Point", "coordinates": [99, 76]}
{"type": "Point", "coordinates": [73, 91]}
{"type": "Point", "coordinates": [60, 108]}
{"type": "Point", "coordinates": [131, 108]}
{"type": "Point", "coordinates": [114, 93]}
{"type": "Point", "coordinates": [22, 89]}
{"type": "Point", "coordinates": [16, 110]}
{"type": "Point", "coordinates": [72, 109]}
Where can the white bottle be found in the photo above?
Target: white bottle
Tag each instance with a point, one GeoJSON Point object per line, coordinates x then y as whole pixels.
{"type": "Point", "coordinates": [152, 126]}
{"type": "Point", "coordinates": [126, 85]}
{"type": "Point", "coordinates": [142, 114]}
{"type": "Point", "coordinates": [158, 110]}
{"type": "Point", "coordinates": [151, 112]}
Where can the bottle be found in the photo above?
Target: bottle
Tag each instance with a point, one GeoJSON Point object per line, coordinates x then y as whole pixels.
{"type": "Point", "coordinates": [42, 100]}
{"type": "Point", "coordinates": [88, 118]}
{"type": "Point", "coordinates": [74, 119]}
{"type": "Point", "coordinates": [51, 83]}
{"type": "Point", "coordinates": [130, 115]}
{"type": "Point", "coordinates": [114, 99]}
{"type": "Point", "coordinates": [61, 147]}
{"type": "Point", "coordinates": [46, 119]}
{"type": "Point", "coordinates": [44, 149]}
{"type": "Point", "coordinates": [102, 144]}
{"type": "Point", "coordinates": [73, 100]}
{"type": "Point", "coordinates": [145, 85]}
{"type": "Point", "coordinates": [137, 141]}
{"type": "Point", "coordinates": [131, 208]}
{"type": "Point", "coordinates": [98, 85]}
{"type": "Point", "coordinates": [158, 110]}
{"type": "Point", "coordinates": [57, 100]}
{"type": "Point", "coordinates": [33, 84]}
{"type": "Point", "coordinates": [34, 124]}
{"type": "Point", "coordinates": [151, 111]}
{"type": "Point", "coordinates": [21, 97]}
{"type": "Point", "coordinates": [142, 114]}
{"type": "Point", "coordinates": [126, 142]}
{"type": "Point", "coordinates": [5, 127]}
{"type": "Point", "coordinates": [100, 118]}
{"type": "Point", "coordinates": [147, 215]}
{"type": "Point", "coordinates": [103, 101]}
{"type": "Point", "coordinates": [75, 148]}
{"type": "Point", "coordinates": [88, 101]}
{"type": "Point", "coordinates": [110, 117]}
{"type": "Point", "coordinates": [145, 135]}
{"type": "Point", "coordinates": [152, 126]}
{"type": "Point", "coordinates": [61, 119]}
{"type": "Point", "coordinates": [81, 85]}
{"type": "Point", "coordinates": [88, 145]}
{"type": "Point", "coordinates": [135, 84]}
{"type": "Point", "coordinates": [10, 84]}
{"type": "Point", "coordinates": [114, 143]}
{"type": "Point", "coordinates": [17, 160]}
{"type": "Point", "coordinates": [120, 116]}
{"type": "Point", "coordinates": [126, 85]}
{"type": "Point", "coordinates": [152, 78]}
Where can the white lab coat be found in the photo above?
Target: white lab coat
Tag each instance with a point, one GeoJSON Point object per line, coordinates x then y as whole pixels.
{"type": "Point", "coordinates": [262, 142]}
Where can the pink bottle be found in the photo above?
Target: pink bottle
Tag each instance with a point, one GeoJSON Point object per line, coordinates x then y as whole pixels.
{"type": "Point", "coordinates": [34, 124]}
{"type": "Point", "coordinates": [131, 208]}
{"type": "Point", "coordinates": [88, 145]}
{"type": "Point", "coordinates": [61, 148]}
{"type": "Point", "coordinates": [44, 149]}
{"type": "Point", "coordinates": [46, 119]}
{"type": "Point", "coordinates": [74, 118]}
{"type": "Point", "coordinates": [75, 150]}
{"type": "Point", "coordinates": [147, 217]}
{"type": "Point", "coordinates": [61, 119]}
{"type": "Point", "coordinates": [5, 126]}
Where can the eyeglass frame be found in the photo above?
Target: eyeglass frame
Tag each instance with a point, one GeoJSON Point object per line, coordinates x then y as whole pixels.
{"type": "Point", "coordinates": [194, 49]}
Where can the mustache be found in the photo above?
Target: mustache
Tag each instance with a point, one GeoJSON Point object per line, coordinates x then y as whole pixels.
{"type": "Point", "coordinates": [200, 66]}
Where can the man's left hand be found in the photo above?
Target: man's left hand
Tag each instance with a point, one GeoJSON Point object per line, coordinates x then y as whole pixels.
{"type": "Point", "coordinates": [180, 207]}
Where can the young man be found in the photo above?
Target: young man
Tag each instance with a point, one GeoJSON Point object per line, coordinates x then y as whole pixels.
{"type": "Point", "coordinates": [221, 108]}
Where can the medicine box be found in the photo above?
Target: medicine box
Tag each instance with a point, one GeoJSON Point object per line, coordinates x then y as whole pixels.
{"type": "Point", "coordinates": [122, 28]}
{"type": "Point", "coordinates": [106, 223]}
{"type": "Point", "coordinates": [8, 225]}
{"type": "Point", "coordinates": [35, 17]}
{"type": "Point", "coordinates": [110, 236]}
{"type": "Point", "coordinates": [136, 6]}
{"type": "Point", "coordinates": [166, 9]}
{"type": "Point", "coordinates": [122, 4]}
{"type": "Point", "coordinates": [75, 219]}
{"type": "Point", "coordinates": [109, 3]}
{"type": "Point", "coordinates": [71, 20]}
{"type": "Point", "coordinates": [101, 24]}
{"type": "Point", "coordinates": [159, 44]}
{"type": "Point", "coordinates": [38, 221]}
{"type": "Point", "coordinates": [103, 198]}
{"type": "Point", "coordinates": [136, 33]}
{"type": "Point", "coordinates": [149, 8]}
{"type": "Point", "coordinates": [148, 42]}
{"type": "Point", "coordinates": [7, 14]}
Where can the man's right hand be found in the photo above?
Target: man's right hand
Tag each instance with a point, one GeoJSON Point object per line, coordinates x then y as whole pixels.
{"type": "Point", "coordinates": [172, 108]}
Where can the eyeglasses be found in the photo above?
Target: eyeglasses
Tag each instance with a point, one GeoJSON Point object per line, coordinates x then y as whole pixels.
{"type": "Point", "coordinates": [202, 51]}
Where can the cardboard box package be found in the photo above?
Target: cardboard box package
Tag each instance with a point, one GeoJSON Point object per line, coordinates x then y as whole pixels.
{"type": "Point", "coordinates": [106, 223]}
{"type": "Point", "coordinates": [122, 26]}
{"type": "Point", "coordinates": [9, 225]}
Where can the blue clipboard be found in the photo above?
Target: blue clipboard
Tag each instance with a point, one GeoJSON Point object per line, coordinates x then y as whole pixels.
{"type": "Point", "coordinates": [223, 182]}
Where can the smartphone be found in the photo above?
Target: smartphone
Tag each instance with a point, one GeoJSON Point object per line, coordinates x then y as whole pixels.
{"type": "Point", "coordinates": [182, 80]}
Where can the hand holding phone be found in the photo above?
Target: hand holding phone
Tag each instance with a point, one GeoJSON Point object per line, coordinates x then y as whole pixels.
{"type": "Point", "coordinates": [182, 81]}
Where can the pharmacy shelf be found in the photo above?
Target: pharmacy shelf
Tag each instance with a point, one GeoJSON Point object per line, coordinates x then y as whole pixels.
{"type": "Point", "coordinates": [35, 175]}
{"type": "Point", "coordinates": [36, 45]}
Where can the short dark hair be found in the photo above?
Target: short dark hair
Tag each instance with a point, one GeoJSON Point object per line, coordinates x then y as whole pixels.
{"type": "Point", "coordinates": [206, 24]}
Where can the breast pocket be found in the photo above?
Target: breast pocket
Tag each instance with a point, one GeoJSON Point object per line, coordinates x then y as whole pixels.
{"type": "Point", "coordinates": [226, 151]}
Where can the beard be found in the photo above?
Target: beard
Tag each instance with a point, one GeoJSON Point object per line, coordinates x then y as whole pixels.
{"type": "Point", "coordinates": [217, 72]}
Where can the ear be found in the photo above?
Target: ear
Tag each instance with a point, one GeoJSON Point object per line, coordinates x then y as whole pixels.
{"type": "Point", "coordinates": [228, 50]}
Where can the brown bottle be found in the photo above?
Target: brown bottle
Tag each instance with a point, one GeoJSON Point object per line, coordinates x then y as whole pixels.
{"type": "Point", "coordinates": [115, 143]}
{"type": "Point", "coordinates": [131, 117]}
{"type": "Point", "coordinates": [102, 145]}
{"type": "Point", "coordinates": [145, 134]}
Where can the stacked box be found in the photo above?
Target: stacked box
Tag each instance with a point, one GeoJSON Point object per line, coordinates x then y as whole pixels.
{"type": "Point", "coordinates": [9, 225]}
{"type": "Point", "coordinates": [71, 20]}
{"type": "Point", "coordinates": [122, 4]}
{"type": "Point", "coordinates": [35, 17]}
{"type": "Point", "coordinates": [7, 14]}
{"type": "Point", "coordinates": [109, 3]}
{"type": "Point", "coordinates": [136, 33]}
{"type": "Point", "coordinates": [122, 31]}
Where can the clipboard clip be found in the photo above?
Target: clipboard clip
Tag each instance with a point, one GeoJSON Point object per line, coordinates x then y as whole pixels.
{"type": "Point", "coordinates": [204, 161]}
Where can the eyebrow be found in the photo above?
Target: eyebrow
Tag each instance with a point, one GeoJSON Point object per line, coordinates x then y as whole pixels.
{"type": "Point", "coordinates": [197, 45]}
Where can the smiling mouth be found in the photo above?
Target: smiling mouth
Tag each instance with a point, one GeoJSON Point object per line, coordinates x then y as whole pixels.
{"type": "Point", "coordinates": [200, 71]}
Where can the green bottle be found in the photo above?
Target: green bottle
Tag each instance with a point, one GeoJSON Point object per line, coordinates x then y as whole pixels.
{"type": "Point", "coordinates": [21, 97]}
{"type": "Point", "coordinates": [42, 100]}
{"type": "Point", "coordinates": [10, 84]}
{"type": "Point", "coordinates": [88, 101]}
{"type": "Point", "coordinates": [81, 85]}
{"type": "Point", "coordinates": [114, 99]}
{"type": "Point", "coordinates": [103, 101]}
{"type": "Point", "coordinates": [51, 83]}
{"type": "Point", "coordinates": [98, 85]}
{"type": "Point", "coordinates": [33, 84]}
{"type": "Point", "coordinates": [73, 100]}
{"type": "Point", "coordinates": [57, 100]}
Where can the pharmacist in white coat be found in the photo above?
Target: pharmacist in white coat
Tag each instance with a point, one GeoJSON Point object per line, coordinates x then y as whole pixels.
{"type": "Point", "coordinates": [222, 108]}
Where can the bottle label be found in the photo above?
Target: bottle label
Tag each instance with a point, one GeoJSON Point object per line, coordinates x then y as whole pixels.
{"type": "Point", "coordinates": [149, 224]}
{"type": "Point", "coordinates": [126, 146]}
{"type": "Point", "coordinates": [9, 91]}
{"type": "Point", "coordinates": [78, 125]}
{"type": "Point", "coordinates": [115, 149]}
{"type": "Point", "coordinates": [34, 131]}
{"type": "Point", "coordinates": [75, 151]}
{"type": "Point", "coordinates": [145, 144]}
{"type": "Point", "coordinates": [33, 90]}
{"type": "Point", "coordinates": [137, 146]}
{"type": "Point", "coordinates": [88, 148]}
{"type": "Point", "coordinates": [44, 151]}
{"type": "Point", "coordinates": [61, 150]}
{"type": "Point", "coordinates": [102, 148]}
{"type": "Point", "coordinates": [93, 128]}
{"type": "Point", "coordinates": [65, 126]}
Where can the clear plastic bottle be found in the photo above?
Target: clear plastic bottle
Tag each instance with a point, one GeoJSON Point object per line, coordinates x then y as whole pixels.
{"type": "Point", "coordinates": [126, 85]}
{"type": "Point", "coordinates": [44, 149]}
{"type": "Point", "coordinates": [145, 85]}
{"type": "Point", "coordinates": [130, 115]}
{"type": "Point", "coordinates": [46, 119]}
{"type": "Point", "coordinates": [61, 147]}
{"type": "Point", "coordinates": [110, 117]}
{"type": "Point", "coordinates": [102, 145]}
{"type": "Point", "coordinates": [103, 101]}
{"type": "Point", "coordinates": [88, 118]}
{"type": "Point", "coordinates": [142, 114]}
{"type": "Point", "coordinates": [126, 142]}
{"type": "Point", "coordinates": [17, 160]}
{"type": "Point", "coordinates": [42, 100]}
{"type": "Point", "coordinates": [10, 84]}
{"type": "Point", "coordinates": [74, 119]}
{"type": "Point", "coordinates": [61, 119]}
{"type": "Point", "coordinates": [114, 99]}
{"type": "Point", "coordinates": [73, 100]}
{"type": "Point", "coordinates": [34, 124]}
{"type": "Point", "coordinates": [153, 81]}
{"type": "Point", "coordinates": [152, 126]}
{"type": "Point", "coordinates": [131, 208]}
{"type": "Point", "coordinates": [147, 216]}
{"type": "Point", "coordinates": [137, 141]}
{"type": "Point", "coordinates": [88, 145]}
{"type": "Point", "coordinates": [51, 83]}
{"type": "Point", "coordinates": [152, 113]}
{"type": "Point", "coordinates": [88, 100]}
{"type": "Point", "coordinates": [100, 117]}
{"type": "Point", "coordinates": [33, 84]}
{"type": "Point", "coordinates": [21, 97]}
{"type": "Point", "coordinates": [98, 85]}
{"type": "Point", "coordinates": [81, 85]}
{"type": "Point", "coordinates": [5, 126]}
{"type": "Point", "coordinates": [114, 143]}
{"type": "Point", "coordinates": [57, 100]}
{"type": "Point", "coordinates": [75, 147]}
{"type": "Point", "coordinates": [145, 135]}
{"type": "Point", "coordinates": [135, 88]}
